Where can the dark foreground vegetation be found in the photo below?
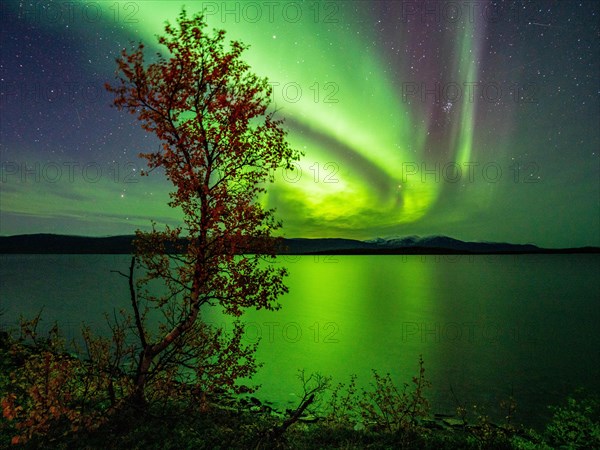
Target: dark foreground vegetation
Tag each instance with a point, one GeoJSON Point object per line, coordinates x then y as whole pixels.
{"type": "Point", "coordinates": [52, 398]}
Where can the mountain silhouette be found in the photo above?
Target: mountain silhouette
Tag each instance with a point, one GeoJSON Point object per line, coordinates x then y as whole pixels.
{"type": "Point", "coordinates": [63, 244]}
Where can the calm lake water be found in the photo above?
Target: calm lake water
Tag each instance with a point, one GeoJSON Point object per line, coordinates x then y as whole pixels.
{"type": "Point", "coordinates": [487, 326]}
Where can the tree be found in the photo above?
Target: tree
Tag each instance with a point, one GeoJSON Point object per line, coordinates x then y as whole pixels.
{"type": "Point", "coordinates": [219, 147]}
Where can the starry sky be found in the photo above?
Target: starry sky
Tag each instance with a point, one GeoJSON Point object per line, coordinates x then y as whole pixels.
{"type": "Point", "coordinates": [473, 119]}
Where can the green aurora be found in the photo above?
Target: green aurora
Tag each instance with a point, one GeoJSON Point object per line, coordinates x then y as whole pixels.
{"type": "Point", "coordinates": [398, 138]}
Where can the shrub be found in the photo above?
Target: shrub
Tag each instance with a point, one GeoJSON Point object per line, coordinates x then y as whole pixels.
{"type": "Point", "coordinates": [575, 425]}
{"type": "Point", "coordinates": [392, 409]}
{"type": "Point", "coordinates": [50, 393]}
{"type": "Point", "coordinates": [383, 407]}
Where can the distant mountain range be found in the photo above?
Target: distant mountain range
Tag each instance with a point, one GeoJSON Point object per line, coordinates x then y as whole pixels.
{"type": "Point", "coordinates": [410, 245]}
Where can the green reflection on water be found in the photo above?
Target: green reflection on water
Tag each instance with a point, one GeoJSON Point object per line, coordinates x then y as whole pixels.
{"type": "Point", "coordinates": [487, 326]}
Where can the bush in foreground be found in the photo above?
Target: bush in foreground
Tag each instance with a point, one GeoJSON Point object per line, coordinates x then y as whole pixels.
{"type": "Point", "coordinates": [54, 399]}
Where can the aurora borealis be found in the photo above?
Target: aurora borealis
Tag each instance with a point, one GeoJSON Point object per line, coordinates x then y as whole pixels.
{"type": "Point", "coordinates": [473, 119]}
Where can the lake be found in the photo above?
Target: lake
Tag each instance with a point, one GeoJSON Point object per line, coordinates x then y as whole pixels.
{"type": "Point", "coordinates": [488, 326]}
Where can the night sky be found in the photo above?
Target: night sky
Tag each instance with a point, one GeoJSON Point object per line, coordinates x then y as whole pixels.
{"type": "Point", "coordinates": [473, 119]}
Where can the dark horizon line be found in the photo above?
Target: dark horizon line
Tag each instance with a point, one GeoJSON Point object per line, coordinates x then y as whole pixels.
{"type": "Point", "coordinates": [369, 240]}
{"type": "Point", "coordinates": [50, 243]}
